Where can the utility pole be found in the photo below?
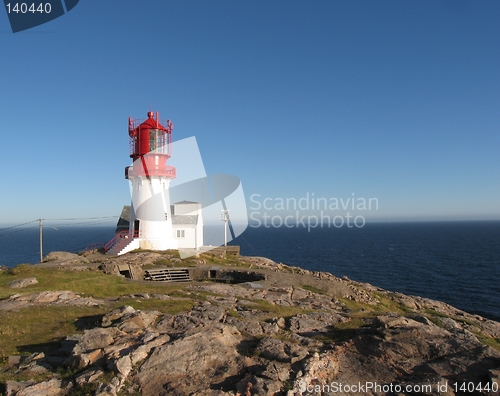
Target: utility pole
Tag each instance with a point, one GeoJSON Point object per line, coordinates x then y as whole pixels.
{"type": "Point", "coordinates": [41, 239]}
{"type": "Point", "coordinates": [224, 216]}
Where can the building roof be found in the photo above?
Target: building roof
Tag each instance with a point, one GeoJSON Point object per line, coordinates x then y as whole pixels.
{"type": "Point", "coordinates": [185, 202]}
{"type": "Point", "coordinates": [124, 220]}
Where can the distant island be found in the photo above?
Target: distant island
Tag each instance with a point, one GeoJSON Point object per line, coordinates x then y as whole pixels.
{"type": "Point", "coordinates": [149, 323]}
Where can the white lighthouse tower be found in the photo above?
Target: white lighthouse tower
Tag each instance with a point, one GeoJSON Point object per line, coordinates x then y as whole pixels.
{"type": "Point", "coordinates": [150, 224]}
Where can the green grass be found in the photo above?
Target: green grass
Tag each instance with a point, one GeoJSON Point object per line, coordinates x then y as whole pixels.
{"type": "Point", "coordinates": [94, 283]}
{"type": "Point", "coordinates": [271, 310]}
{"type": "Point", "coordinates": [37, 329]}
{"type": "Point", "coordinates": [313, 289]}
{"type": "Point", "coordinates": [34, 328]}
{"type": "Point", "coordinates": [233, 313]}
{"type": "Point", "coordinates": [490, 341]}
{"type": "Point", "coordinates": [40, 328]}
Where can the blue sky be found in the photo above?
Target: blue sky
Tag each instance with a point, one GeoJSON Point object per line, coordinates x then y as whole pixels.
{"type": "Point", "coordinates": [388, 99]}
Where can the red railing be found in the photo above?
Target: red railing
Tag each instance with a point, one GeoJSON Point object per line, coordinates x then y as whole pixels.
{"type": "Point", "coordinates": [98, 245]}
{"type": "Point", "coordinates": [120, 240]}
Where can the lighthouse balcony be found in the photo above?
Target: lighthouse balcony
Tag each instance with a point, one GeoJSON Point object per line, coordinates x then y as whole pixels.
{"type": "Point", "coordinates": [163, 171]}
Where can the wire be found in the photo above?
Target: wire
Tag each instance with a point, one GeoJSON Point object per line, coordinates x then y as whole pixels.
{"type": "Point", "coordinates": [19, 225]}
{"type": "Point", "coordinates": [81, 218]}
{"type": "Point", "coordinates": [84, 244]}
{"type": "Point", "coordinates": [82, 223]}
{"type": "Point", "coordinates": [14, 232]}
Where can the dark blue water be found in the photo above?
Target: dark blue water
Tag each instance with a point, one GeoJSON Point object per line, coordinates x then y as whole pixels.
{"type": "Point", "coordinates": [22, 245]}
{"type": "Point", "coordinates": [455, 262]}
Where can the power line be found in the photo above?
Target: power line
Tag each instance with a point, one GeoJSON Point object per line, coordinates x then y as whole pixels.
{"type": "Point", "coordinates": [81, 218]}
{"type": "Point", "coordinates": [24, 229]}
{"type": "Point", "coordinates": [83, 223]}
{"type": "Point", "coordinates": [18, 225]}
{"type": "Point", "coordinates": [84, 244]}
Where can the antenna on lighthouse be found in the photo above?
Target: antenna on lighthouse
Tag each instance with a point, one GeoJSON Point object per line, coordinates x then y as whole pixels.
{"type": "Point", "coordinates": [224, 216]}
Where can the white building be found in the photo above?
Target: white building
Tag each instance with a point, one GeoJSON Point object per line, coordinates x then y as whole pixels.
{"type": "Point", "coordinates": [187, 224]}
{"type": "Point", "coordinates": [187, 227]}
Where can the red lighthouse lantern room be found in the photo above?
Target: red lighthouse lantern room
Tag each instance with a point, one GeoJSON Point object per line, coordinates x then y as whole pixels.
{"type": "Point", "coordinates": [151, 144]}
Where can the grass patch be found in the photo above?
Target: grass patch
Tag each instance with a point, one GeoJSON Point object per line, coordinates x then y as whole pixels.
{"type": "Point", "coordinates": [490, 341]}
{"type": "Point", "coordinates": [382, 307]}
{"type": "Point", "coordinates": [39, 329]}
{"type": "Point", "coordinates": [389, 305]}
{"type": "Point", "coordinates": [224, 261]}
{"type": "Point", "coordinates": [94, 283]}
{"type": "Point", "coordinates": [276, 310]}
{"type": "Point", "coordinates": [233, 313]}
{"type": "Point", "coordinates": [313, 289]}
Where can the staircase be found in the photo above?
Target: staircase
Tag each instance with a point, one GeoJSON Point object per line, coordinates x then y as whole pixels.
{"type": "Point", "coordinates": [167, 275]}
{"type": "Point", "coordinates": [119, 242]}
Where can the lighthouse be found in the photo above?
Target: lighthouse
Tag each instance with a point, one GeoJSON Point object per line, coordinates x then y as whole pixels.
{"type": "Point", "coordinates": [150, 225]}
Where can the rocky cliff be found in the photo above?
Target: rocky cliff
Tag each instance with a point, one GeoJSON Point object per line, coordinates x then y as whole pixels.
{"type": "Point", "coordinates": [296, 332]}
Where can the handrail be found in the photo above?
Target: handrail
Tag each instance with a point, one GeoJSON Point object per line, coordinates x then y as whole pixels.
{"type": "Point", "coordinates": [122, 238]}
{"type": "Point", "coordinates": [98, 245]}
{"type": "Point", "coordinates": [114, 240]}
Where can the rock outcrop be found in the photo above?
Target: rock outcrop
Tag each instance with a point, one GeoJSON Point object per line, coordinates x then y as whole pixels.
{"type": "Point", "coordinates": [301, 333]}
{"type": "Point", "coordinates": [64, 297]}
{"type": "Point", "coordinates": [20, 283]}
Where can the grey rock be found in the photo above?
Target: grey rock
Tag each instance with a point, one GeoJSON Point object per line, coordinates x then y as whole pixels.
{"type": "Point", "coordinates": [315, 322]}
{"type": "Point", "coordinates": [124, 366]}
{"type": "Point", "coordinates": [20, 283]}
{"type": "Point", "coordinates": [277, 371]}
{"type": "Point", "coordinates": [64, 257]}
{"type": "Point", "coordinates": [209, 312]}
{"type": "Point", "coordinates": [13, 387]}
{"type": "Point", "coordinates": [116, 314]}
{"type": "Point", "coordinates": [449, 324]}
{"type": "Point", "coordinates": [89, 376]}
{"type": "Point", "coordinates": [269, 328]}
{"type": "Point", "coordinates": [188, 365]}
{"type": "Point", "coordinates": [13, 360]}
{"type": "Point", "coordinates": [249, 327]}
{"type": "Point", "coordinates": [46, 388]}
{"type": "Point", "coordinates": [494, 376]}
{"type": "Point", "coordinates": [96, 338]}
{"type": "Point", "coordinates": [281, 351]}
{"type": "Point", "coordinates": [250, 384]}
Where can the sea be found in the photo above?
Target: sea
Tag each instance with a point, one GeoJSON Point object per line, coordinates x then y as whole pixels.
{"type": "Point", "coordinates": [454, 262]}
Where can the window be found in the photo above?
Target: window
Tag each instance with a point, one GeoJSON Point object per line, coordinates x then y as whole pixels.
{"type": "Point", "coordinates": [181, 233]}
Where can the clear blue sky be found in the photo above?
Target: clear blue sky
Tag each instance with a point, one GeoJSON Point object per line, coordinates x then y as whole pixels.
{"type": "Point", "coordinates": [397, 100]}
